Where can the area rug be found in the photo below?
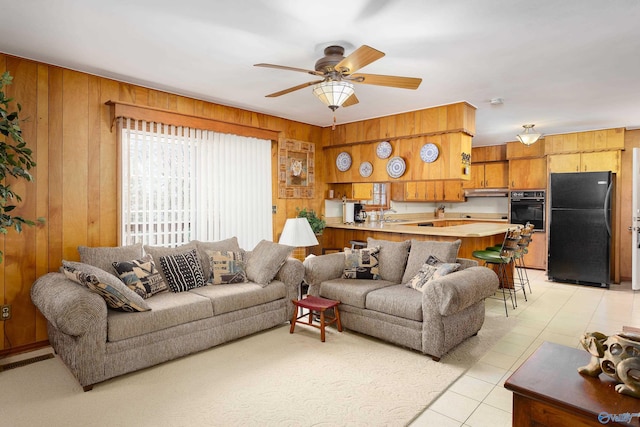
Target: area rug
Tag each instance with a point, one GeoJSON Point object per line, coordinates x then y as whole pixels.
{"type": "Point", "coordinates": [270, 378]}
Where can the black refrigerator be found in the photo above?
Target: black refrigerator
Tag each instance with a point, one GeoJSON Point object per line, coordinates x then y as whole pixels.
{"type": "Point", "coordinates": [580, 228]}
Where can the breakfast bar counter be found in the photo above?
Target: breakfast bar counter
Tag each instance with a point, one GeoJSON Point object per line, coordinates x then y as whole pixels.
{"type": "Point", "coordinates": [473, 234]}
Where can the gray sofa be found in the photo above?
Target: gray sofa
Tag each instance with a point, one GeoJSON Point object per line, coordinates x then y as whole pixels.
{"type": "Point", "coordinates": [97, 342]}
{"type": "Point", "coordinates": [432, 320]}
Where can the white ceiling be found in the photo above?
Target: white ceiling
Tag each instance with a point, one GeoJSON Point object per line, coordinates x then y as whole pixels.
{"type": "Point", "coordinates": [566, 66]}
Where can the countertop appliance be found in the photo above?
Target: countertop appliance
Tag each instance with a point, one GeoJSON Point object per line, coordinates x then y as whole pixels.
{"type": "Point", "coordinates": [528, 206]}
{"type": "Point", "coordinates": [359, 214]}
{"type": "Point", "coordinates": [580, 228]}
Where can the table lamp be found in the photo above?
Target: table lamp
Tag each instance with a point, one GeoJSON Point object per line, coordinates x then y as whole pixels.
{"type": "Point", "coordinates": [298, 233]}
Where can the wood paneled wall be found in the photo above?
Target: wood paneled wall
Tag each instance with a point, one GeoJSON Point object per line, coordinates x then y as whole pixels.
{"type": "Point", "coordinates": [68, 127]}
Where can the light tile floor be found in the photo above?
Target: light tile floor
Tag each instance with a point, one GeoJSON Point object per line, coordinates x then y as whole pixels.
{"type": "Point", "coordinates": [555, 312]}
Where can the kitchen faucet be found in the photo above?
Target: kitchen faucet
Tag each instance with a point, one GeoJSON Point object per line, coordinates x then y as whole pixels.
{"type": "Point", "coordinates": [383, 211]}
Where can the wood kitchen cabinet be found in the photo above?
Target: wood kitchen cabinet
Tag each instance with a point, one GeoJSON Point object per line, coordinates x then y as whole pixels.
{"type": "Point", "coordinates": [489, 175]}
{"type": "Point", "coordinates": [585, 162]}
{"type": "Point", "coordinates": [536, 256]}
{"type": "Point", "coordinates": [427, 191]}
{"type": "Point", "coordinates": [362, 191]}
{"type": "Point", "coordinates": [528, 173]}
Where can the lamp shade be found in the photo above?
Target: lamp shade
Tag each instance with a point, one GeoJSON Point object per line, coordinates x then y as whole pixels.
{"type": "Point", "coordinates": [333, 93]}
{"type": "Point", "coordinates": [297, 232]}
{"type": "Point", "coordinates": [529, 136]}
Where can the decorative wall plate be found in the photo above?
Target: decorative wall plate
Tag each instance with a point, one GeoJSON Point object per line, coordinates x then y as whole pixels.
{"type": "Point", "coordinates": [343, 161]}
{"type": "Point", "coordinates": [429, 152]}
{"type": "Point", "coordinates": [396, 167]}
{"type": "Point", "coordinates": [366, 169]}
{"type": "Point", "coordinates": [384, 149]}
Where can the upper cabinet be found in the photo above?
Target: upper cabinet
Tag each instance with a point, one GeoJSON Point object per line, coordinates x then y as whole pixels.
{"type": "Point", "coordinates": [488, 168]}
{"type": "Point", "coordinates": [597, 140]}
{"type": "Point", "coordinates": [585, 162]}
{"type": "Point", "coordinates": [427, 191]}
{"type": "Point", "coordinates": [527, 165]}
{"type": "Point", "coordinates": [527, 174]}
{"type": "Point", "coordinates": [448, 128]}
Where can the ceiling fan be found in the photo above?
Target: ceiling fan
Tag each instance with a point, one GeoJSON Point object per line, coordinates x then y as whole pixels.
{"type": "Point", "coordinates": [338, 73]}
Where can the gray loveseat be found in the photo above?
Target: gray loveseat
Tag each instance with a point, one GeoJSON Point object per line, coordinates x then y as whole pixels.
{"type": "Point", "coordinates": [433, 320]}
{"type": "Point", "coordinates": [97, 342]}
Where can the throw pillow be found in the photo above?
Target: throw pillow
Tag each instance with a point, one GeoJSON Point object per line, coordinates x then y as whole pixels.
{"type": "Point", "coordinates": [226, 267]}
{"type": "Point", "coordinates": [230, 244]}
{"type": "Point", "coordinates": [104, 257]}
{"type": "Point", "coordinates": [265, 261]}
{"type": "Point", "coordinates": [159, 251]}
{"type": "Point", "coordinates": [183, 271]}
{"type": "Point", "coordinates": [115, 293]}
{"type": "Point", "coordinates": [433, 269]}
{"type": "Point", "coordinates": [361, 263]}
{"type": "Point", "coordinates": [420, 251]}
{"type": "Point", "coordinates": [141, 276]}
{"type": "Point", "coordinates": [392, 258]}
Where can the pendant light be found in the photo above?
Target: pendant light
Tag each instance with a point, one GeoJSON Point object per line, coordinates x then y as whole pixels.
{"type": "Point", "coordinates": [529, 136]}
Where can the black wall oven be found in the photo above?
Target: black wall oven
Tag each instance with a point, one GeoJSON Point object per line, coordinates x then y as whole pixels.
{"type": "Point", "coordinates": [527, 206]}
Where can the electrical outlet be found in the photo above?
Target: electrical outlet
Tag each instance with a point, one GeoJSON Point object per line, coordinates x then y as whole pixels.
{"type": "Point", "coordinates": [5, 312]}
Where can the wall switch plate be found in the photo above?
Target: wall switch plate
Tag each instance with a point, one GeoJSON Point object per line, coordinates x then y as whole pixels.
{"type": "Point", "coordinates": [274, 209]}
{"type": "Point", "coordinates": [5, 312]}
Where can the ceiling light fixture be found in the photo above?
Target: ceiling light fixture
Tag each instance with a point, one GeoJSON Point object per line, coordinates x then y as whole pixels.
{"type": "Point", "coordinates": [529, 136]}
{"type": "Point", "coordinates": [333, 93]}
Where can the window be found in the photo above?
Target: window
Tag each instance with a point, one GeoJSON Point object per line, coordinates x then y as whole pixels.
{"type": "Point", "coordinates": [179, 184]}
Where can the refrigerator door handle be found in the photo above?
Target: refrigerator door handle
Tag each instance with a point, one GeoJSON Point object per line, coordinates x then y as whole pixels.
{"type": "Point", "coordinates": [607, 205]}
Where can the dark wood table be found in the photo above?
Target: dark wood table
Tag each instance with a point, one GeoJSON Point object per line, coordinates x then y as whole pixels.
{"type": "Point", "coordinates": [549, 391]}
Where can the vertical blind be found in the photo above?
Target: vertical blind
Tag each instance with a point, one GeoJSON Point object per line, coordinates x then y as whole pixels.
{"type": "Point", "coordinates": [179, 184]}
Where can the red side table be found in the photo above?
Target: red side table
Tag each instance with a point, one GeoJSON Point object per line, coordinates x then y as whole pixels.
{"type": "Point", "coordinates": [320, 305]}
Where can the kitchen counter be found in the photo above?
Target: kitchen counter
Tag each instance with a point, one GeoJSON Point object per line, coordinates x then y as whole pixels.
{"type": "Point", "coordinates": [474, 229]}
{"type": "Point", "coordinates": [474, 235]}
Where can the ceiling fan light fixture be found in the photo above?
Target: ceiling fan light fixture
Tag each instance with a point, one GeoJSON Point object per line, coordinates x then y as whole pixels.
{"type": "Point", "coordinates": [333, 93]}
{"type": "Point", "coordinates": [529, 136]}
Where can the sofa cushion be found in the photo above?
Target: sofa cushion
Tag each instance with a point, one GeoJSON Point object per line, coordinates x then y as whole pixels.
{"type": "Point", "coordinates": [351, 291]}
{"type": "Point", "coordinates": [141, 276]}
{"type": "Point", "coordinates": [230, 244]}
{"type": "Point", "coordinates": [361, 263]}
{"type": "Point", "coordinates": [226, 267]}
{"type": "Point", "coordinates": [392, 258]}
{"type": "Point", "coordinates": [237, 296]}
{"type": "Point", "coordinates": [421, 250]}
{"type": "Point", "coordinates": [115, 293]}
{"type": "Point", "coordinates": [396, 301]}
{"type": "Point", "coordinates": [433, 269]}
{"type": "Point", "coordinates": [158, 251]}
{"type": "Point", "coordinates": [104, 257]}
{"type": "Point", "coordinates": [183, 271]}
{"type": "Point", "coordinates": [168, 309]}
{"type": "Point", "coordinates": [265, 261]}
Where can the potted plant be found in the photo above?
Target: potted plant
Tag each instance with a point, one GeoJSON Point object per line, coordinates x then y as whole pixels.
{"type": "Point", "coordinates": [15, 160]}
{"type": "Point", "coordinates": [317, 224]}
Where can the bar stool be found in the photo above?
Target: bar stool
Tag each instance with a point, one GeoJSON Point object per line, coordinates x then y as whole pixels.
{"type": "Point", "coordinates": [503, 259]}
{"type": "Point", "coordinates": [523, 249]}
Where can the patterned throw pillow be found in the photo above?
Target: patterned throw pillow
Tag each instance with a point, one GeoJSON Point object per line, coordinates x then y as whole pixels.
{"type": "Point", "coordinates": [141, 276]}
{"type": "Point", "coordinates": [226, 267]}
{"type": "Point", "coordinates": [432, 269]}
{"type": "Point", "coordinates": [361, 263]}
{"type": "Point", "coordinates": [183, 271]}
{"type": "Point", "coordinates": [108, 286]}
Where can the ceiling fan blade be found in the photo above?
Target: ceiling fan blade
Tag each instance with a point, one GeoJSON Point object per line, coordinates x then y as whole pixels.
{"type": "Point", "coordinates": [362, 56]}
{"type": "Point", "coordinates": [293, 89]}
{"type": "Point", "coordinates": [381, 80]}
{"type": "Point", "coordinates": [352, 100]}
{"type": "Point", "coordinates": [283, 67]}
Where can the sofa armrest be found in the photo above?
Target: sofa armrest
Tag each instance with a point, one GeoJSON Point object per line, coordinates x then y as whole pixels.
{"type": "Point", "coordinates": [69, 307]}
{"type": "Point", "coordinates": [459, 290]}
{"type": "Point", "coordinates": [291, 274]}
{"type": "Point", "coordinates": [466, 263]}
{"type": "Point", "coordinates": [318, 269]}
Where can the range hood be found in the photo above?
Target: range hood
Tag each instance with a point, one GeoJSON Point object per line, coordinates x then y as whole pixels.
{"type": "Point", "coordinates": [486, 192]}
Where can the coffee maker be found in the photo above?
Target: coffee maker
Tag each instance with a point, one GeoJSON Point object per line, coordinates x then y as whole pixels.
{"type": "Point", "coordinates": [359, 214]}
